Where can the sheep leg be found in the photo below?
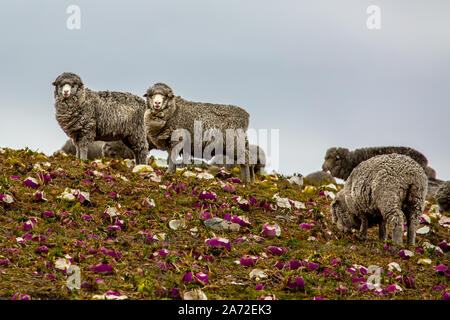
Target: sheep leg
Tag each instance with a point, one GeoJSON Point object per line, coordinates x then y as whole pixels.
{"type": "Point", "coordinates": [83, 152]}
{"type": "Point", "coordinates": [413, 217]}
{"type": "Point", "coordinates": [77, 152]}
{"type": "Point", "coordinates": [411, 236]}
{"type": "Point", "coordinates": [171, 163]}
{"type": "Point", "coordinates": [395, 221]}
{"type": "Point", "coordinates": [389, 204]}
{"type": "Point", "coordinates": [252, 173]}
{"type": "Point", "coordinates": [245, 172]}
{"type": "Point", "coordinates": [81, 147]}
{"type": "Point", "coordinates": [364, 227]}
{"type": "Point", "coordinates": [382, 234]}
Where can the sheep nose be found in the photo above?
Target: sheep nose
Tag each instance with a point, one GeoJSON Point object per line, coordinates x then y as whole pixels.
{"type": "Point", "coordinates": [66, 91]}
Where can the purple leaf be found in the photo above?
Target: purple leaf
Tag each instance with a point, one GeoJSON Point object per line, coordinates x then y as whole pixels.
{"type": "Point", "coordinates": [296, 284]}
{"type": "Point", "coordinates": [101, 268]}
{"type": "Point", "coordinates": [31, 183]}
{"type": "Point", "coordinates": [276, 251]}
{"type": "Point", "coordinates": [219, 242]}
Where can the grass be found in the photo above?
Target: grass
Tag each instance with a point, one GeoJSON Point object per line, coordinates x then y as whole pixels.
{"type": "Point", "coordinates": [140, 270]}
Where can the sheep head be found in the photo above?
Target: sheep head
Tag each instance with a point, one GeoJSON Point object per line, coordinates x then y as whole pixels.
{"type": "Point", "coordinates": [158, 97]}
{"type": "Point", "coordinates": [338, 162]}
{"type": "Point", "coordinates": [68, 85]}
{"type": "Point", "coordinates": [344, 220]}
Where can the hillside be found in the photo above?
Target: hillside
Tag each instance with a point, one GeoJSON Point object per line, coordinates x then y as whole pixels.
{"type": "Point", "coordinates": [137, 233]}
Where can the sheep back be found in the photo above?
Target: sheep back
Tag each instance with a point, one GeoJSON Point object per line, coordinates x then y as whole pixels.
{"type": "Point", "coordinates": [442, 196]}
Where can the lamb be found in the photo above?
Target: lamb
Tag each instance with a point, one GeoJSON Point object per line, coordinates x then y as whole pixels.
{"type": "Point", "coordinates": [86, 116]}
{"type": "Point", "coordinates": [168, 115]}
{"type": "Point", "coordinates": [260, 156]}
{"type": "Point", "coordinates": [442, 196]}
{"type": "Point", "coordinates": [98, 149]}
{"type": "Point", "coordinates": [117, 149]}
{"type": "Point", "coordinates": [254, 168]}
{"type": "Point", "coordinates": [380, 191]}
{"type": "Point", "coordinates": [94, 149]}
{"type": "Point", "coordinates": [320, 177]}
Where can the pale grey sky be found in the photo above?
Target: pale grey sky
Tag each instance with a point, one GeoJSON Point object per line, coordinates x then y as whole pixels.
{"type": "Point", "coordinates": [309, 68]}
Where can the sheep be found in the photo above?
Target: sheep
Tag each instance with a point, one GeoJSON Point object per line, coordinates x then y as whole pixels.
{"type": "Point", "coordinates": [86, 115]}
{"type": "Point", "coordinates": [168, 115]}
{"type": "Point", "coordinates": [442, 196]}
{"type": "Point", "coordinates": [98, 149]}
{"type": "Point", "coordinates": [340, 161]}
{"type": "Point", "coordinates": [433, 186]}
{"type": "Point", "coordinates": [116, 149]}
{"type": "Point", "coordinates": [430, 172]}
{"type": "Point", "coordinates": [260, 164]}
{"type": "Point", "coordinates": [379, 191]}
{"type": "Point", "coordinates": [94, 149]}
{"type": "Point", "coordinates": [320, 177]}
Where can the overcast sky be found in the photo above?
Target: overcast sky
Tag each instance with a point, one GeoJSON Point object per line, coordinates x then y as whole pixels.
{"type": "Point", "coordinates": [311, 69]}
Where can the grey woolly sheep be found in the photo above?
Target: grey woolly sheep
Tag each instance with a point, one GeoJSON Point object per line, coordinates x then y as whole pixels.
{"type": "Point", "coordinates": [433, 186]}
{"type": "Point", "coordinates": [117, 149]}
{"type": "Point", "coordinates": [320, 177]}
{"type": "Point", "coordinates": [380, 191]}
{"type": "Point", "coordinates": [430, 172]}
{"type": "Point", "coordinates": [94, 149]}
{"type": "Point", "coordinates": [168, 114]}
{"type": "Point", "coordinates": [443, 196]}
{"type": "Point", "coordinates": [86, 116]}
{"type": "Point", "coordinates": [260, 156]}
{"type": "Point", "coordinates": [341, 161]}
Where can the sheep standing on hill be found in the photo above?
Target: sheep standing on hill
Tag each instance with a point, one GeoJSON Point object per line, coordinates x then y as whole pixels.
{"type": "Point", "coordinates": [167, 114]}
{"type": "Point", "coordinates": [443, 196]}
{"type": "Point", "coordinates": [341, 161]}
{"type": "Point", "coordinates": [86, 116]}
{"type": "Point", "coordinates": [381, 190]}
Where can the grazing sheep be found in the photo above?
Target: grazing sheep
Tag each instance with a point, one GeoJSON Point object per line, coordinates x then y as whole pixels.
{"type": "Point", "coordinates": [86, 116]}
{"type": "Point", "coordinates": [167, 114]}
{"type": "Point", "coordinates": [381, 190]}
{"type": "Point", "coordinates": [340, 161]}
{"type": "Point", "coordinates": [320, 177]}
{"type": "Point", "coordinates": [443, 196]}
{"type": "Point", "coordinates": [94, 149]}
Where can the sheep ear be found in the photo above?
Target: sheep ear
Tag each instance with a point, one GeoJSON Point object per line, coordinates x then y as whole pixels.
{"type": "Point", "coordinates": [54, 83]}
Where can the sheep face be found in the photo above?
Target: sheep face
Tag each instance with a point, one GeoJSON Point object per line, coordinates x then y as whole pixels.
{"type": "Point", "coordinates": [110, 150]}
{"type": "Point", "coordinates": [337, 162]}
{"type": "Point", "coordinates": [158, 97]}
{"type": "Point", "coordinates": [68, 85]}
{"type": "Point", "coordinates": [341, 217]}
